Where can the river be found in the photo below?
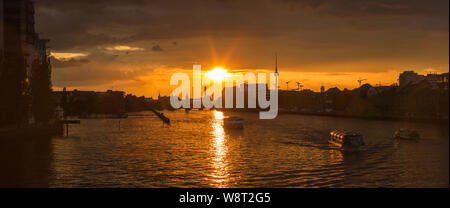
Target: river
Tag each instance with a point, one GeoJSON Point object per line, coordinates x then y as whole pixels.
{"type": "Point", "coordinates": [196, 151]}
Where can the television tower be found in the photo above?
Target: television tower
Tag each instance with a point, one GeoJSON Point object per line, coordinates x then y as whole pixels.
{"type": "Point", "coordinates": [276, 72]}
{"type": "Point", "coordinates": [276, 64]}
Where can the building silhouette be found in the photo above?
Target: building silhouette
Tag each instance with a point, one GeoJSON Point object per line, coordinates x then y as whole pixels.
{"type": "Point", "coordinates": [18, 38]}
{"type": "Point", "coordinates": [17, 19]}
{"type": "Point", "coordinates": [411, 78]}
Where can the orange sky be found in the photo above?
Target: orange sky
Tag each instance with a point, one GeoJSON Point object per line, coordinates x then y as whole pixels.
{"type": "Point", "coordinates": [135, 46]}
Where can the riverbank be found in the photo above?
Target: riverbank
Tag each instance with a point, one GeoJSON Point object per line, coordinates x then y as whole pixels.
{"type": "Point", "coordinates": [344, 115]}
{"type": "Point", "coordinates": [381, 118]}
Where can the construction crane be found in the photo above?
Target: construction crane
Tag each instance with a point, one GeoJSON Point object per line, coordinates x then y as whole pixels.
{"type": "Point", "coordinates": [299, 85]}
{"type": "Point", "coordinates": [287, 85]}
{"type": "Point", "coordinates": [360, 81]}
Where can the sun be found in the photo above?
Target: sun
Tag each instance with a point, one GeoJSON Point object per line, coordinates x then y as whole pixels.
{"type": "Point", "coordinates": [217, 74]}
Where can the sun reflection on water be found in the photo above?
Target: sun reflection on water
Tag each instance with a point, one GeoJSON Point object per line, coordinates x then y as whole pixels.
{"type": "Point", "coordinates": [220, 173]}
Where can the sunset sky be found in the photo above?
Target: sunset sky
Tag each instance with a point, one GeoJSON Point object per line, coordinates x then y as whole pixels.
{"type": "Point", "coordinates": [137, 45]}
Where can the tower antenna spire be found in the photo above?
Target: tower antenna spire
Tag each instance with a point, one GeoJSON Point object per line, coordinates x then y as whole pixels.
{"type": "Point", "coordinates": [276, 63]}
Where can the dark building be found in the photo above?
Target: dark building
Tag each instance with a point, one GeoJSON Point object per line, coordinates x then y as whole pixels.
{"type": "Point", "coordinates": [17, 21]}
{"type": "Point", "coordinates": [19, 38]}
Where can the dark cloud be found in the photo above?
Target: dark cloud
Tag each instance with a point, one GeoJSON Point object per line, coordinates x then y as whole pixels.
{"type": "Point", "coordinates": [67, 63]}
{"type": "Point", "coordinates": [94, 74]}
{"type": "Point", "coordinates": [157, 48]}
{"type": "Point", "coordinates": [84, 23]}
{"type": "Point", "coordinates": [377, 7]}
{"type": "Point", "coordinates": [336, 74]}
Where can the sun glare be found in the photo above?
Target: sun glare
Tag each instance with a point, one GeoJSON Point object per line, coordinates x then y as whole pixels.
{"type": "Point", "coordinates": [217, 74]}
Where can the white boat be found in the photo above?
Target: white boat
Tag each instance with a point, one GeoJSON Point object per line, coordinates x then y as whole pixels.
{"type": "Point", "coordinates": [346, 140]}
{"type": "Point", "coordinates": [233, 122]}
{"type": "Point", "coordinates": [406, 134]}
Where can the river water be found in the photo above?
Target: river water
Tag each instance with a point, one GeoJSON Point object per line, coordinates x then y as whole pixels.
{"type": "Point", "coordinates": [196, 151]}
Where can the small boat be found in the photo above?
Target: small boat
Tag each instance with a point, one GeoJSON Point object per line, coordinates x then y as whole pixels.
{"type": "Point", "coordinates": [406, 134]}
{"type": "Point", "coordinates": [163, 118]}
{"type": "Point", "coordinates": [346, 140]}
{"type": "Point", "coordinates": [233, 122]}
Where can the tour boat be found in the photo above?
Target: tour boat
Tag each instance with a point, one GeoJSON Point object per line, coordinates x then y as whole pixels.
{"type": "Point", "coordinates": [233, 122]}
{"type": "Point", "coordinates": [346, 140]}
{"type": "Point", "coordinates": [406, 134]}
